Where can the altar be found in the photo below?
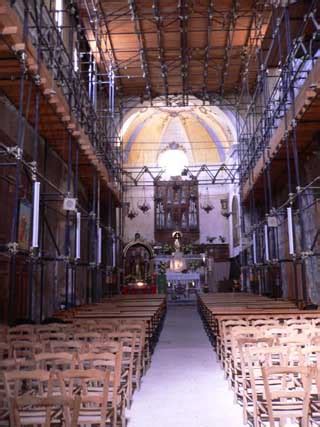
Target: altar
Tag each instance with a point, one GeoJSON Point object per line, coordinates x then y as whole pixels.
{"type": "Point", "coordinates": [183, 277]}
{"type": "Point", "coordinates": [183, 285]}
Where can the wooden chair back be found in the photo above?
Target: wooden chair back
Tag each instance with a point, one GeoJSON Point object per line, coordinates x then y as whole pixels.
{"type": "Point", "coordinates": [287, 393]}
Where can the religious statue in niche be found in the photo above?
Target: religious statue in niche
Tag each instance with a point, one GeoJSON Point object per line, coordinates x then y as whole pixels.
{"type": "Point", "coordinates": [138, 264]}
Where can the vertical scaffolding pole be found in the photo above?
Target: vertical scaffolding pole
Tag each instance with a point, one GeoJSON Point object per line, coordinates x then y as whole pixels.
{"type": "Point", "coordinates": [19, 155]}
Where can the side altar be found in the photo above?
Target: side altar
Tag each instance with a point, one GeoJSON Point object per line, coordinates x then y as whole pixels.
{"type": "Point", "coordinates": [139, 275]}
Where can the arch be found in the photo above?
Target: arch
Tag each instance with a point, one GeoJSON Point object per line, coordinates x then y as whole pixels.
{"type": "Point", "coordinates": [235, 222]}
{"type": "Point", "coordinates": [138, 243]}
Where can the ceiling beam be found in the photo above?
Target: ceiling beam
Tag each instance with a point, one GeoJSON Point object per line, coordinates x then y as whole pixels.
{"type": "Point", "coordinates": [142, 49]}
{"type": "Point", "coordinates": [233, 15]}
{"type": "Point", "coordinates": [207, 50]}
{"type": "Point", "coordinates": [184, 54]}
{"type": "Point", "coordinates": [164, 68]}
{"type": "Point", "coordinates": [252, 43]}
{"type": "Point", "coordinates": [111, 51]}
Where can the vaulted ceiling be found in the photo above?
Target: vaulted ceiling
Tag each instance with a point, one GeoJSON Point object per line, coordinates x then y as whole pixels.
{"type": "Point", "coordinates": [187, 47]}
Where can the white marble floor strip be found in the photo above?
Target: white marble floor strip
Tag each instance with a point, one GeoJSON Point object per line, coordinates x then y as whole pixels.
{"type": "Point", "coordinates": [184, 386]}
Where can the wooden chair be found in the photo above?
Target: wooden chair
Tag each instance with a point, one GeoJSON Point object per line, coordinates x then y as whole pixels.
{"type": "Point", "coordinates": [141, 331]}
{"type": "Point", "coordinates": [232, 362]}
{"type": "Point", "coordinates": [224, 339]}
{"type": "Point", "coordinates": [70, 346]}
{"type": "Point", "coordinates": [131, 339]}
{"type": "Point", "coordinates": [109, 346]}
{"type": "Point", "coordinates": [55, 361]}
{"type": "Point", "coordinates": [25, 349]}
{"type": "Point", "coordinates": [22, 332]}
{"type": "Point", "coordinates": [289, 398]}
{"type": "Point", "coordinates": [31, 402]}
{"type": "Point", "coordinates": [88, 337]}
{"type": "Point", "coordinates": [253, 387]}
{"type": "Point", "coordinates": [103, 329]}
{"type": "Point", "coordinates": [92, 385]}
{"type": "Point", "coordinates": [127, 362]}
{"type": "Point", "coordinates": [52, 336]}
{"type": "Point", "coordinates": [3, 333]}
{"type": "Point", "coordinates": [5, 350]}
{"type": "Point", "coordinates": [117, 389]}
{"type": "Point", "coordinates": [5, 366]}
{"type": "Point", "coordinates": [52, 328]}
{"type": "Point", "coordinates": [242, 376]}
{"type": "Point", "coordinates": [46, 410]}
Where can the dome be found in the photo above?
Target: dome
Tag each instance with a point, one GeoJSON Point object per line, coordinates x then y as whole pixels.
{"type": "Point", "coordinates": [203, 133]}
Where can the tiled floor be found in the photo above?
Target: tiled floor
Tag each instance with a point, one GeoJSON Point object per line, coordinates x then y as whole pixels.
{"type": "Point", "coordinates": [184, 386]}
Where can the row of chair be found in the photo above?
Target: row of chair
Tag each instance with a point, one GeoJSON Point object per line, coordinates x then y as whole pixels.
{"type": "Point", "coordinates": [271, 361]}
{"type": "Point", "coordinates": [80, 373]}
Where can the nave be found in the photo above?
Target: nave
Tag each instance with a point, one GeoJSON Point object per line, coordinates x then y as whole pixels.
{"type": "Point", "coordinates": [185, 385]}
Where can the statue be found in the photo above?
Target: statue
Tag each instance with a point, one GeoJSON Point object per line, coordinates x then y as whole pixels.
{"type": "Point", "coordinates": [177, 237]}
{"type": "Point", "coordinates": [177, 262]}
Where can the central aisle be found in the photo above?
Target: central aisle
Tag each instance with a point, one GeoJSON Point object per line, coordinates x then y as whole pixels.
{"type": "Point", "coordinates": [184, 386]}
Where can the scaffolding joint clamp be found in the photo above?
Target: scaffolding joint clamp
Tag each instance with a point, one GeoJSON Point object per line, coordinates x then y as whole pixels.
{"type": "Point", "coordinates": [37, 79]}
{"type": "Point", "coordinates": [306, 254]}
{"type": "Point", "coordinates": [13, 247]}
{"type": "Point", "coordinates": [67, 259]}
{"type": "Point", "coordinates": [16, 151]}
{"type": "Point", "coordinates": [92, 215]}
{"type": "Point", "coordinates": [34, 252]}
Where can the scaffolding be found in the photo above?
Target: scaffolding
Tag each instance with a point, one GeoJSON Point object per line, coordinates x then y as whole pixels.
{"type": "Point", "coordinates": [267, 125]}
{"type": "Point", "coordinates": [73, 250]}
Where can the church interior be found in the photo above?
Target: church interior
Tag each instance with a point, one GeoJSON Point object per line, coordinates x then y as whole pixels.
{"type": "Point", "coordinates": [152, 272]}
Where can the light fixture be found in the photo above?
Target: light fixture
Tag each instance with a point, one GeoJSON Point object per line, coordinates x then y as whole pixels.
{"type": "Point", "coordinates": [207, 206]}
{"type": "Point", "coordinates": [144, 206]}
{"type": "Point", "coordinates": [132, 213]}
{"type": "Point", "coordinates": [140, 284]}
{"type": "Point", "coordinates": [225, 208]}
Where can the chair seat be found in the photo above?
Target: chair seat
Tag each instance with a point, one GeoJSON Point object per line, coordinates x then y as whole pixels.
{"type": "Point", "coordinates": [34, 416]}
{"type": "Point", "coordinates": [92, 415]}
{"type": "Point", "coordinates": [280, 408]}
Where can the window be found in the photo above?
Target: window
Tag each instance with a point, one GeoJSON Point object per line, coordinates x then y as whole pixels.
{"type": "Point", "coordinates": [173, 161]}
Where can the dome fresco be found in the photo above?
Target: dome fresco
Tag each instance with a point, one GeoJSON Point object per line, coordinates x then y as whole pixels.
{"type": "Point", "coordinates": [204, 133]}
